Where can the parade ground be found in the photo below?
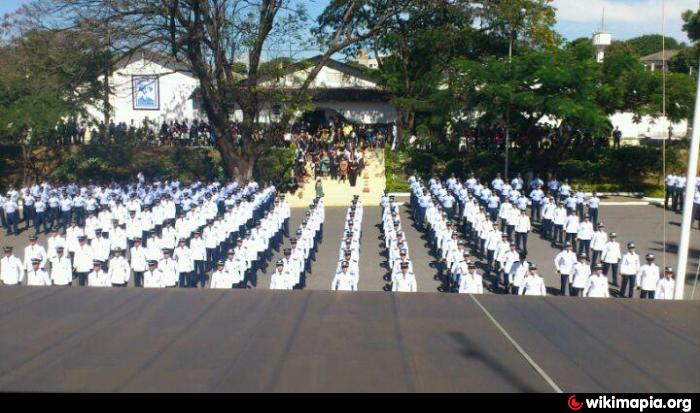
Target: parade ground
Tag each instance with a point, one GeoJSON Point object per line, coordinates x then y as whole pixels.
{"type": "Point", "coordinates": [145, 340]}
{"type": "Point", "coordinates": [134, 340]}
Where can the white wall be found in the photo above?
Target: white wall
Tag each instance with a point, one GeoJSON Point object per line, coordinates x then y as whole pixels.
{"type": "Point", "coordinates": [175, 95]}
{"type": "Point", "coordinates": [326, 78]}
{"type": "Point", "coordinates": [647, 127]}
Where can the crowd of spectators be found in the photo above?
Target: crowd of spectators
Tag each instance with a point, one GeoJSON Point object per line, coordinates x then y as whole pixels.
{"type": "Point", "coordinates": [334, 150]}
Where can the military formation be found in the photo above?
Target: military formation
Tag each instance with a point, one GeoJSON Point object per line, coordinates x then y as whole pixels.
{"type": "Point", "coordinates": [222, 235]}
{"type": "Point", "coordinates": [471, 220]}
{"type": "Point", "coordinates": [159, 235]}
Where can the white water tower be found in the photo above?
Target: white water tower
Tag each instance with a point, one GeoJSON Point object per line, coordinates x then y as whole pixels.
{"type": "Point", "coordinates": [601, 40]}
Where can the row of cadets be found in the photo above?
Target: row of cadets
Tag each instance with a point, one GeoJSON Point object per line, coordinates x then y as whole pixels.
{"type": "Point", "coordinates": [347, 274]}
{"type": "Point", "coordinates": [290, 271]}
{"type": "Point", "coordinates": [401, 277]}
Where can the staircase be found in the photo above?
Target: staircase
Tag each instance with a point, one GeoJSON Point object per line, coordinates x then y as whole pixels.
{"type": "Point", "coordinates": [370, 186]}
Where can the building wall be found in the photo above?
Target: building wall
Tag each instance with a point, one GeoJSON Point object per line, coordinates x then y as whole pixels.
{"type": "Point", "coordinates": [326, 78]}
{"type": "Point", "coordinates": [647, 126]}
{"type": "Point", "coordinates": [175, 95]}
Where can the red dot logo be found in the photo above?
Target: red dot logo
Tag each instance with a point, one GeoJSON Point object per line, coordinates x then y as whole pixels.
{"type": "Point", "coordinates": [573, 404]}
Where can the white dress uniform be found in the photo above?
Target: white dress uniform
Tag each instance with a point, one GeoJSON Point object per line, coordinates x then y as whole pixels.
{"type": "Point", "coordinates": [61, 270]}
{"type": "Point", "coordinates": [665, 289]}
{"type": "Point", "coordinates": [344, 281]}
{"type": "Point", "coordinates": [471, 283]}
{"type": "Point", "coordinates": [597, 286]}
{"type": "Point", "coordinates": [153, 278]}
{"type": "Point", "coordinates": [533, 284]}
{"type": "Point", "coordinates": [34, 251]}
{"type": "Point", "coordinates": [119, 271]}
{"type": "Point", "coordinates": [38, 277]}
{"type": "Point", "coordinates": [648, 277]}
{"type": "Point", "coordinates": [169, 269]}
{"type": "Point", "coordinates": [405, 282]}
{"type": "Point", "coordinates": [11, 270]}
{"type": "Point", "coordinates": [99, 278]}
{"type": "Point", "coordinates": [221, 279]}
{"type": "Point", "coordinates": [281, 280]}
{"type": "Point", "coordinates": [580, 274]}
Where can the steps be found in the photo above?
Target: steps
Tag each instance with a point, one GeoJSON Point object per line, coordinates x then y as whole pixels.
{"type": "Point", "coordinates": [339, 194]}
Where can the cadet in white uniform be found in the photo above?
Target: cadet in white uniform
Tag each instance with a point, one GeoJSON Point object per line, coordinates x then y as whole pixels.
{"type": "Point", "coordinates": [152, 278]}
{"type": "Point", "coordinates": [533, 284]}
{"type": "Point", "coordinates": [629, 267]}
{"type": "Point", "coordinates": [580, 273]}
{"type": "Point", "coordinates": [281, 279]}
{"type": "Point", "coordinates": [405, 281]}
{"type": "Point", "coordinates": [61, 269]}
{"type": "Point", "coordinates": [344, 279]}
{"type": "Point", "coordinates": [98, 277]}
{"type": "Point", "coordinates": [11, 268]}
{"type": "Point", "coordinates": [221, 278]}
{"type": "Point", "coordinates": [666, 286]}
{"type": "Point", "coordinates": [564, 263]}
{"type": "Point", "coordinates": [648, 277]}
{"type": "Point", "coordinates": [471, 282]}
{"type": "Point", "coordinates": [119, 271]}
{"type": "Point", "coordinates": [36, 276]}
{"type": "Point", "coordinates": [597, 285]}
{"type": "Point", "coordinates": [168, 267]}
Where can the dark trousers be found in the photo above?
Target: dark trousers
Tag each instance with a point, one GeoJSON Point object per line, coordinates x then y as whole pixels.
{"type": "Point", "coordinates": [52, 216]}
{"type": "Point", "coordinates": [521, 241]}
{"type": "Point", "coordinates": [564, 283]}
{"type": "Point", "coordinates": [647, 294]}
{"type": "Point", "coordinates": [557, 237]}
{"type": "Point", "coordinates": [39, 220]}
{"type": "Point", "coordinates": [593, 213]}
{"type": "Point", "coordinates": [65, 219]}
{"type": "Point", "coordinates": [80, 216]}
{"type": "Point", "coordinates": [138, 278]}
{"type": "Point", "coordinates": [595, 257]}
{"type": "Point", "coordinates": [12, 222]}
{"type": "Point", "coordinates": [546, 228]}
{"type": "Point", "coordinates": [571, 237]}
{"type": "Point", "coordinates": [200, 273]}
{"type": "Point", "coordinates": [29, 214]}
{"type": "Point", "coordinates": [536, 212]}
{"type": "Point", "coordinates": [3, 219]}
{"type": "Point", "coordinates": [82, 278]}
{"type": "Point", "coordinates": [627, 285]}
{"type": "Point", "coordinates": [576, 292]}
{"type": "Point", "coordinates": [606, 267]}
{"type": "Point", "coordinates": [184, 277]}
{"type": "Point", "coordinates": [584, 246]}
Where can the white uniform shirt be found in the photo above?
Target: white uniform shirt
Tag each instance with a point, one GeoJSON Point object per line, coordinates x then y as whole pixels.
{"type": "Point", "coordinates": [533, 285]}
{"type": "Point", "coordinates": [648, 277]}
{"type": "Point", "coordinates": [38, 277]}
{"type": "Point", "coordinates": [11, 270]}
{"type": "Point", "coordinates": [665, 289]}
{"type": "Point", "coordinates": [405, 283]}
{"type": "Point", "coordinates": [61, 271]}
{"type": "Point", "coordinates": [471, 283]}
{"type": "Point", "coordinates": [597, 286]}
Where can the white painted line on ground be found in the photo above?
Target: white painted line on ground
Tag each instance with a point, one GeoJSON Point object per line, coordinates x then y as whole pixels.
{"type": "Point", "coordinates": [520, 350]}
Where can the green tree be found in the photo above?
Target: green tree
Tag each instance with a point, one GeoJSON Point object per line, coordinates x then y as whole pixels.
{"type": "Point", "coordinates": [652, 43]}
{"type": "Point", "coordinates": [46, 78]}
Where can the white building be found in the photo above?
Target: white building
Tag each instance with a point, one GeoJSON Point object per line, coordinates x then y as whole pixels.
{"type": "Point", "coordinates": [148, 85]}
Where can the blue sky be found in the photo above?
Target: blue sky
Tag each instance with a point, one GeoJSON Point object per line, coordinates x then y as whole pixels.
{"type": "Point", "coordinates": [576, 18]}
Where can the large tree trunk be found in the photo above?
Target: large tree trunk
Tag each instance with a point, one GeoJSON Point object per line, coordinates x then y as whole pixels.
{"type": "Point", "coordinates": [405, 119]}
